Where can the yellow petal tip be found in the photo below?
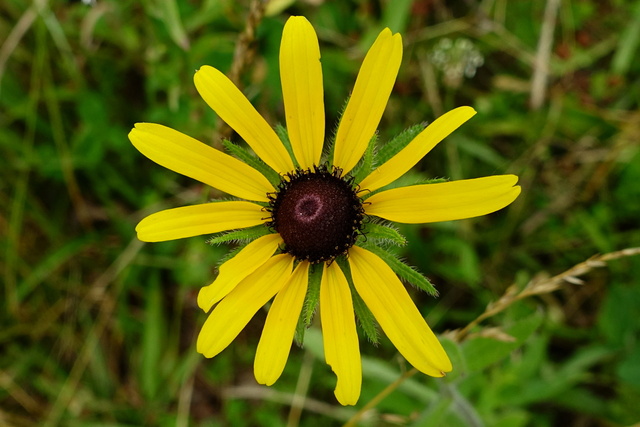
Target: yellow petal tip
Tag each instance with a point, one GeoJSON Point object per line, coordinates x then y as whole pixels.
{"type": "Point", "coordinates": [204, 301]}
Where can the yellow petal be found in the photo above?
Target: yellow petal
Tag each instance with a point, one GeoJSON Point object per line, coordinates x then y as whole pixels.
{"type": "Point", "coordinates": [339, 334]}
{"type": "Point", "coordinates": [233, 271]}
{"type": "Point", "coordinates": [399, 164]}
{"type": "Point", "coordinates": [196, 220]}
{"type": "Point", "coordinates": [368, 99]}
{"type": "Point", "coordinates": [236, 110]}
{"type": "Point", "coordinates": [396, 313]}
{"type": "Point", "coordinates": [280, 326]}
{"type": "Point", "coordinates": [301, 77]}
{"type": "Point", "coordinates": [190, 157]}
{"type": "Point", "coordinates": [444, 201]}
{"type": "Point", "coordinates": [234, 312]}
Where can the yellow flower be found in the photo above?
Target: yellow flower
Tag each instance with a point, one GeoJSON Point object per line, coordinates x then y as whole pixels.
{"type": "Point", "coordinates": [315, 212]}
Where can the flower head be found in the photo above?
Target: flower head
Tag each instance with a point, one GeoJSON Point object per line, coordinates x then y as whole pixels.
{"type": "Point", "coordinates": [306, 214]}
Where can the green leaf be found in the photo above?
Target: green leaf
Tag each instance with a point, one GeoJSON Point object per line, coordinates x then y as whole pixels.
{"type": "Point", "coordinates": [152, 340]}
{"type": "Point", "coordinates": [480, 151]}
{"type": "Point", "coordinates": [283, 134]}
{"type": "Point", "coordinates": [454, 351]}
{"type": "Point", "coordinates": [55, 258]}
{"type": "Point", "coordinates": [365, 164]}
{"type": "Point", "coordinates": [432, 181]}
{"type": "Point", "coordinates": [562, 380]}
{"type": "Point", "coordinates": [387, 372]}
{"type": "Point", "coordinates": [404, 271]}
{"type": "Point", "coordinates": [628, 43]}
{"type": "Point", "coordinates": [393, 147]}
{"type": "Point", "coordinates": [435, 414]}
{"type": "Point", "coordinates": [385, 234]}
{"type": "Point", "coordinates": [618, 317]}
{"type": "Point", "coordinates": [580, 400]}
{"type": "Point", "coordinates": [245, 235]}
{"type": "Point", "coordinates": [310, 302]}
{"type": "Point", "coordinates": [629, 369]}
{"type": "Point", "coordinates": [396, 14]}
{"type": "Point", "coordinates": [253, 161]}
{"type": "Point", "coordinates": [172, 21]}
{"type": "Point", "coordinates": [482, 352]}
{"type": "Point", "coordinates": [366, 320]}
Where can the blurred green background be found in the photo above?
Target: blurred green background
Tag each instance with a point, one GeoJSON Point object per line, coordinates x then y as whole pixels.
{"type": "Point", "coordinates": [98, 329]}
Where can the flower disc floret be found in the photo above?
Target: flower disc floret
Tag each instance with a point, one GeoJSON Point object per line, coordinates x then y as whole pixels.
{"type": "Point", "coordinates": [317, 213]}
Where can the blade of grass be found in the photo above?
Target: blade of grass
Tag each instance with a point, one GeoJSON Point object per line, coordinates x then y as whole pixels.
{"type": "Point", "coordinates": [152, 338]}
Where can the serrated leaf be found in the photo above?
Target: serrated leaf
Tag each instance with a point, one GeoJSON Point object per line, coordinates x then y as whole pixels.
{"type": "Point", "coordinates": [311, 301]}
{"type": "Point", "coordinates": [394, 146]}
{"type": "Point", "coordinates": [384, 233]}
{"type": "Point", "coordinates": [245, 235]}
{"type": "Point", "coordinates": [365, 165]}
{"type": "Point", "coordinates": [431, 181]}
{"type": "Point", "coordinates": [283, 134]}
{"type": "Point", "coordinates": [366, 319]}
{"type": "Point", "coordinates": [404, 271]}
{"type": "Point", "coordinates": [253, 161]}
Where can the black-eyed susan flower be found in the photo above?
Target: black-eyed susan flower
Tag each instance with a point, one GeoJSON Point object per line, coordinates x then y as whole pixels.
{"type": "Point", "coordinates": [313, 220]}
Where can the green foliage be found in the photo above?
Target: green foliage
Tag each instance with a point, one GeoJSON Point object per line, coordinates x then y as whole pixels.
{"type": "Point", "coordinates": [391, 148]}
{"type": "Point", "coordinates": [383, 234]}
{"type": "Point", "coordinates": [100, 329]}
{"type": "Point", "coordinates": [245, 235]}
{"type": "Point", "coordinates": [253, 161]}
{"type": "Point", "coordinates": [365, 165]}
{"type": "Point", "coordinates": [283, 134]}
{"type": "Point", "coordinates": [482, 352]}
{"type": "Point", "coordinates": [366, 320]}
{"type": "Point", "coordinates": [404, 271]}
{"type": "Point", "coordinates": [311, 300]}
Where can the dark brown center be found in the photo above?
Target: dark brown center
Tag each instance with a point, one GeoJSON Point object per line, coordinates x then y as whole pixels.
{"type": "Point", "coordinates": [317, 213]}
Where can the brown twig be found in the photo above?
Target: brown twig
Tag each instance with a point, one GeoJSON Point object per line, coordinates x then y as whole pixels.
{"type": "Point", "coordinates": [543, 55]}
{"type": "Point", "coordinates": [542, 285]}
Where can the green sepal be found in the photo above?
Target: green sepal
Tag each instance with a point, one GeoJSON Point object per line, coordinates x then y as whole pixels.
{"type": "Point", "coordinates": [366, 319]}
{"type": "Point", "coordinates": [365, 165]}
{"type": "Point", "coordinates": [431, 181]}
{"type": "Point", "coordinates": [283, 134]}
{"type": "Point", "coordinates": [404, 271]}
{"type": "Point", "coordinates": [407, 180]}
{"type": "Point", "coordinates": [393, 147]}
{"type": "Point", "coordinates": [311, 300]}
{"type": "Point", "coordinates": [253, 161]}
{"type": "Point", "coordinates": [245, 235]}
{"type": "Point", "coordinates": [383, 234]}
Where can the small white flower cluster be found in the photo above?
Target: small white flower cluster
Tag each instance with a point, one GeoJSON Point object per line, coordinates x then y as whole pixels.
{"type": "Point", "coordinates": [456, 59]}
